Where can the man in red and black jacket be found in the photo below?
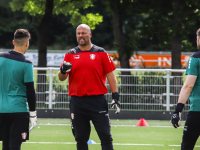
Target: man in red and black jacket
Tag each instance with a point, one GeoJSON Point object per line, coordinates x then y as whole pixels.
{"type": "Point", "coordinates": [88, 66]}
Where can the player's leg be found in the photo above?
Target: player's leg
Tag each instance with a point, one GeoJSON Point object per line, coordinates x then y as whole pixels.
{"type": "Point", "coordinates": [80, 123]}
{"type": "Point", "coordinates": [191, 131]}
{"type": "Point", "coordinates": [5, 145]}
{"type": "Point", "coordinates": [19, 130]}
{"type": "Point", "coordinates": [101, 121]}
{"type": "Point", "coordinates": [4, 131]}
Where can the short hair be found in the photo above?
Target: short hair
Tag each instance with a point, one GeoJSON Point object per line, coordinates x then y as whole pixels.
{"type": "Point", "coordinates": [21, 36]}
{"type": "Point", "coordinates": [198, 32]}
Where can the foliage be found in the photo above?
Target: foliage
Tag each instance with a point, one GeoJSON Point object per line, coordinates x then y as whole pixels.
{"type": "Point", "coordinates": [66, 7]}
{"type": "Point", "coordinates": [159, 22]}
{"type": "Point", "coordinates": [9, 22]}
{"type": "Point", "coordinates": [150, 28]}
{"type": "Point", "coordinates": [187, 46]}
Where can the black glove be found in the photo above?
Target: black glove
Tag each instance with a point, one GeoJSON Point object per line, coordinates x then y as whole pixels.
{"type": "Point", "coordinates": [175, 118]}
{"type": "Point", "coordinates": [115, 102]}
{"type": "Point", "coordinates": [66, 67]}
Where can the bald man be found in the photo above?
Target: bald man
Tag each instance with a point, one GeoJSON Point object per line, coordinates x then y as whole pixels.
{"type": "Point", "coordinates": [88, 66]}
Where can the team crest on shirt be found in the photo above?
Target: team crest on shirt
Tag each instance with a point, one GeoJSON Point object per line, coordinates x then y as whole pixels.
{"type": "Point", "coordinates": [92, 56]}
{"type": "Point", "coordinates": [24, 135]}
{"type": "Point", "coordinates": [72, 115]}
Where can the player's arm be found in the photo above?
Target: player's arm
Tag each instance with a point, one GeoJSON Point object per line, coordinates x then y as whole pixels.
{"type": "Point", "coordinates": [187, 88]}
{"type": "Point", "coordinates": [183, 97]}
{"type": "Point", "coordinates": [112, 81]}
{"type": "Point", "coordinates": [30, 93]}
{"type": "Point", "coordinates": [61, 76]}
{"type": "Point", "coordinates": [115, 95]}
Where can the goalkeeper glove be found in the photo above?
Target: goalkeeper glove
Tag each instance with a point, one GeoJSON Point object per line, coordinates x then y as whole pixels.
{"type": "Point", "coordinates": [176, 116]}
{"type": "Point", "coordinates": [33, 120]}
{"type": "Point", "coordinates": [115, 102]}
{"type": "Point", "coordinates": [66, 67]}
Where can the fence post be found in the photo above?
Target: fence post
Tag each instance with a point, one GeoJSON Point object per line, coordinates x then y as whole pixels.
{"type": "Point", "coordinates": [50, 87]}
{"type": "Point", "coordinates": [168, 90]}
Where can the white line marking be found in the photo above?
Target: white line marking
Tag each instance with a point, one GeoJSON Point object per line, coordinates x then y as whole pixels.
{"type": "Point", "coordinates": [180, 145]}
{"type": "Point", "coordinates": [131, 144]}
{"type": "Point", "coordinates": [49, 124]}
{"type": "Point", "coordinates": [96, 143]}
{"type": "Point", "coordinates": [138, 144]}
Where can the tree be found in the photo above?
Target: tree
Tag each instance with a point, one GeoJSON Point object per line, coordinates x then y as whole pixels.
{"type": "Point", "coordinates": [9, 22]}
{"type": "Point", "coordinates": [42, 10]}
{"type": "Point", "coordinates": [125, 42]}
{"type": "Point", "coordinates": [173, 21]}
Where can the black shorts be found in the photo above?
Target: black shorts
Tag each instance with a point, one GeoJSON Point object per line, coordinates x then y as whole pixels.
{"type": "Point", "coordinates": [14, 127]}
{"type": "Point", "coordinates": [191, 130]}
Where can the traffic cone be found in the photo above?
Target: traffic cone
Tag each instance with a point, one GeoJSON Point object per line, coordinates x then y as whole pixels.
{"type": "Point", "coordinates": [142, 122]}
{"type": "Point", "coordinates": [91, 142]}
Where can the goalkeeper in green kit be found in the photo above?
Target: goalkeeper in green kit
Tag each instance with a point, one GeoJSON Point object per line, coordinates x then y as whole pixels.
{"type": "Point", "coordinates": [17, 94]}
{"type": "Point", "coordinates": [191, 90]}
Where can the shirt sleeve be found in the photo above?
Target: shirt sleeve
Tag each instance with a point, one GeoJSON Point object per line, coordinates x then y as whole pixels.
{"type": "Point", "coordinates": [108, 63]}
{"type": "Point", "coordinates": [65, 59]}
{"type": "Point", "coordinates": [28, 75]}
{"type": "Point", "coordinates": [192, 67]}
{"type": "Point", "coordinates": [30, 93]}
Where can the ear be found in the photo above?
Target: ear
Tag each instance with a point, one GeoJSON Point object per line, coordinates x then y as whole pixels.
{"type": "Point", "coordinates": [90, 34]}
{"type": "Point", "coordinates": [27, 43]}
{"type": "Point", "coordinates": [13, 42]}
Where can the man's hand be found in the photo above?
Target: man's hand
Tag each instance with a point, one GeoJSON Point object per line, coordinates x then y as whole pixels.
{"type": "Point", "coordinates": [66, 67]}
{"type": "Point", "coordinates": [176, 116]}
{"type": "Point", "coordinates": [175, 119]}
{"type": "Point", "coordinates": [33, 120]}
{"type": "Point", "coordinates": [115, 102]}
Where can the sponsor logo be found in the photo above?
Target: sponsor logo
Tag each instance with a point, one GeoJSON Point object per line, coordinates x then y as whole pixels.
{"type": "Point", "coordinates": [72, 115]}
{"type": "Point", "coordinates": [76, 56]}
{"type": "Point", "coordinates": [92, 56]}
{"type": "Point", "coordinates": [174, 116]}
{"type": "Point", "coordinates": [24, 135]}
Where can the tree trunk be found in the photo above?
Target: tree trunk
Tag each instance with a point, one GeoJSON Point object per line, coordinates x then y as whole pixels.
{"type": "Point", "coordinates": [176, 38]}
{"type": "Point", "coordinates": [124, 54]}
{"type": "Point", "coordinates": [120, 39]}
{"type": "Point", "coordinates": [42, 33]}
{"type": "Point", "coordinates": [176, 42]}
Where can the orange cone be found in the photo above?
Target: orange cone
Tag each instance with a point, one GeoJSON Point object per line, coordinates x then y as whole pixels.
{"type": "Point", "coordinates": [142, 122]}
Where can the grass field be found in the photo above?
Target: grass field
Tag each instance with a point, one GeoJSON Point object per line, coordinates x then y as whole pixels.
{"type": "Point", "coordinates": [55, 134]}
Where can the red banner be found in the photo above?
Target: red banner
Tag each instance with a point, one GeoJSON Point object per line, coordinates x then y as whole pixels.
{"type": "Point", "coordinates": [146, 60]}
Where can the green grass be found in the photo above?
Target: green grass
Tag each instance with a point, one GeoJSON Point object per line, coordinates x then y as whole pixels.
{"type": "Point", "coordinates": [159, 134]}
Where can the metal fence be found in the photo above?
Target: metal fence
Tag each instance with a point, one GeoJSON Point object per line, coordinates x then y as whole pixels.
{"type": "Point", "coordinates": [143, 89]}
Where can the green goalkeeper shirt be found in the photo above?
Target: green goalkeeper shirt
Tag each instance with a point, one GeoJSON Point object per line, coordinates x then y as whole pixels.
{"type": "Point", "coordinates": [15, 71]}
{"type": "Point", "coordinates": [193, 68]}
